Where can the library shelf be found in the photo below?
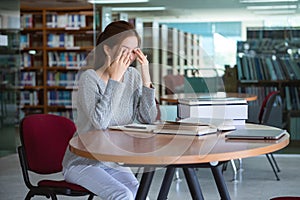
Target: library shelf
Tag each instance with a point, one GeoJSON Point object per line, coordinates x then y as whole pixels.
{"type": "Point", "coordinates": [269, 60]}
{"type": "Point", "coordinates": [54, 45]}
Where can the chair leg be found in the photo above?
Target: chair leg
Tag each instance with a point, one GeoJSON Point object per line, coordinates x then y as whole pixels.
{"type": "Point", "coordinates": [53, 196]}
{"type": "Point", "coordinates": [91, 196]}
{"type": "Point", "coordinates": [240, 164]}
{"type": "Point", "coordinates": [234, 170]}
{"type": "Point", "coordinates": [29, 195]}
{"type": "Point", "coordinates": [137, 172]}
{"type": "Point", "coordinates": [224, 167]}
{"type": "Point", "coordinates": [274, 161]}
{"type": "Point", "coordinates": [273, 168]}
{"type": "Point", "coordinates": [177, 176]}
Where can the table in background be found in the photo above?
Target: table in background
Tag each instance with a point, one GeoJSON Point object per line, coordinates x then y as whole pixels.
{"type": "Point", "coordinates": [172, 151]}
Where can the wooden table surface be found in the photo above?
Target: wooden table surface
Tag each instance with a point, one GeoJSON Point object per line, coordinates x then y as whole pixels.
{"type": "Point", "coordinates": [159, 149]}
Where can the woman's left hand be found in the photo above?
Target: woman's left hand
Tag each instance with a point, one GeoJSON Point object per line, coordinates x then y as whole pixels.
{"type": "Point", "coordinates": [142, 58]}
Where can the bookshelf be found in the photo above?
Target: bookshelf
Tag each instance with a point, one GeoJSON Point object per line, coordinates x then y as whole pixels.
{"type": "Point", "coordinates": [270, 60]}
{"type": "Point", "coordinates": [180, 55]}
{"type": "Point", "coordinates": [9, 67]}
{"type": "Point", "coordinates": [54, 44]}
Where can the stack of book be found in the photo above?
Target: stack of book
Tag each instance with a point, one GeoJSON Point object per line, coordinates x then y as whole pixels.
{"type": "Point", "coordinates": [232, 111]}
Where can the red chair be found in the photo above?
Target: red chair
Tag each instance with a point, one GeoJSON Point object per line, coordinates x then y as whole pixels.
{"type": "Point", "coordinates": [263, 117]}
{"type": "Point", "coordinates": [44, 139]}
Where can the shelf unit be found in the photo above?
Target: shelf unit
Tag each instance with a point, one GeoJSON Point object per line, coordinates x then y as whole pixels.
{"type": "Point", "coordinates": [270, 60]}
{"type": "Point", "coordinates": [54, 45]}
{"type": "Point", "coordinates": [172, 52]}
{"type": "Point", "coordinates": [9, 68]}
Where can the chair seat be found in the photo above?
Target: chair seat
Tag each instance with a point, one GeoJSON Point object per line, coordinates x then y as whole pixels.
{"type": "Point", "coordinates": [62, 184]}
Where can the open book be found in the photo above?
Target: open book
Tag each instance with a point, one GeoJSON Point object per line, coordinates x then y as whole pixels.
{"type": "Point", "coordinates": [169, 128]}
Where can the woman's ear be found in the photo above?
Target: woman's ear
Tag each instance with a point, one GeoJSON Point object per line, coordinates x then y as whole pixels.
{"type": "Point", "coordinates": [106, 50]}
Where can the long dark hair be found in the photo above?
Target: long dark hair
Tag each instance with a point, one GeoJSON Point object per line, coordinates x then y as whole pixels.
{"type": "Point", "coordinates": [113, 35]}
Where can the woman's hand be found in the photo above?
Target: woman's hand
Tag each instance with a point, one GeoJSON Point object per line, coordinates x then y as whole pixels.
{"type": "Point", "coordinates": [119, 65]}
{"type": "Point", "coordinates": [142, 59]}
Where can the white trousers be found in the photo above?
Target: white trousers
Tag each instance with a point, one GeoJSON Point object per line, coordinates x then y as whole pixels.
{"type": "Point", "coordinates": [109, 183]}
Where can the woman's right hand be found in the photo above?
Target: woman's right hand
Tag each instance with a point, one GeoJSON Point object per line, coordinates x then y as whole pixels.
{"type": "Point", "coordinates": [119, 65]}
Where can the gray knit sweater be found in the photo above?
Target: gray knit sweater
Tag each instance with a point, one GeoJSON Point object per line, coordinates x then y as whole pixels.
{"type": "Point", "coordinates": [100, 105]}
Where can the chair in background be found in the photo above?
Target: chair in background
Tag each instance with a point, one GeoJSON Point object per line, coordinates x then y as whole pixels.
{"type": "Point", "coordinates": [264, 118]}
{"type": "Point", "coordinates": [266, 110]}
{"type": "Point", "coordinates": [174, 83]}
{"type": "Point", "coordinates": [44, 139]}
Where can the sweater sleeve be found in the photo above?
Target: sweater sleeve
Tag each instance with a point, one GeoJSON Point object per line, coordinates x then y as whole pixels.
{"type": "Point", "coordinates": [147, 110]}
{"type": "Point", "coordinates": [145, 104]}
{"type": "Point", "coordinates": [96, 105]}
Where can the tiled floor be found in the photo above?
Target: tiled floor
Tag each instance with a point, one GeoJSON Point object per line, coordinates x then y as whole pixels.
{"type": "Point", "coordinates": [255, 182]}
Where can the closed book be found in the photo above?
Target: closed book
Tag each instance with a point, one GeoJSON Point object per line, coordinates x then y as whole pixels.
{"type": "Point", "coordinates": [212, 101]}
{"type": "Point", "coordinates": [223, 111]}
{"type": "Point", "coordinates": [180, 129]}
{"type": "Point", "coordinates": [214, 121]}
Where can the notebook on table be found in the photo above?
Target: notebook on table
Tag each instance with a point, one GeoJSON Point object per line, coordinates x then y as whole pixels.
{"type": "Point", "coordinates": [256, 134]}
{"type": "Point", "coordinates": [169, 128]}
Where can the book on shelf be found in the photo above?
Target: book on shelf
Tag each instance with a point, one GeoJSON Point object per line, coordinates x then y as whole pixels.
{"type": "Point", "coordinates": [29, 98]}
{"type": "Point", "coordinates": [54, 20]}
{"type": "Point", "coordinates": [60, 40]}
{"type": "Point", "coordinates": [28, 79]}
{"type": "Point", "coordinates": [26, 21]}
{"type": "Point", "coordinates": [24, 41]}
{"type": "Point", "coordinates": [59, 98]}
{"type": "Point", "coordinates": [61, 78]}
{"type": "Point", "coordinates": [66, 59]}
{"type": "Point", "coordinates": [26, 60]}
{"type": "Point", "coordinates": [264, 62]}
{"type": "Point", "coordinates": [294, 128]}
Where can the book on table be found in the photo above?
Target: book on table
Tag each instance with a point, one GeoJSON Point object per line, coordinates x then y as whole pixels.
{"type": "Point", "coordinates": [207, 100]}
{"type": "Point", "coordinates": [219, 108]}
{"type": "Point", "coordinates": [173, 128]}
{"type": "Point", "coordinates": [221, 124]}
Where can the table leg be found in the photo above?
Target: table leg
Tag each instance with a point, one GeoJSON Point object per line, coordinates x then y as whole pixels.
{"type": "Point", "coordinates": [193, 183]}
{"type": "Point", "coordinates": [166, 183]}
{"type": "Point", "coordinates": [145, 183]}
{"type": "Point", "coordinates": [221, 185]}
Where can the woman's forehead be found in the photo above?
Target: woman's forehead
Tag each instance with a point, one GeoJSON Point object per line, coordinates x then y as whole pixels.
{"type": "Point", "coordinates": [130, 42]}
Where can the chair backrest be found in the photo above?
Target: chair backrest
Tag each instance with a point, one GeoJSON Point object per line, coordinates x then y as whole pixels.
{"type": "Point", "coordinates": [201, 84]}
{"type": "Point", "coordinates": [45, 138]}
{"type": "Point", "coordinates": [266, 106]}
{"type": "Point", "coordinates": [174, 83]}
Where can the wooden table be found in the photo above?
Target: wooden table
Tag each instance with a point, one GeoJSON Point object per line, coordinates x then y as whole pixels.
{"type": "Point", "coordinates": [172, 151]}
{"type": "Point", "coordinates": [173, 98]}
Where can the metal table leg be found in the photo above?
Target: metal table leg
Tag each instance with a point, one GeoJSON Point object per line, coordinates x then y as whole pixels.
{"type": "Point", "coordinates": [145, 183]}
{"type": "Point", "coordinates": [193, 183]}
{"type": "Point", "coordinates": [166, 183]}
{"type": "Point", "coordinates": [219, 179]}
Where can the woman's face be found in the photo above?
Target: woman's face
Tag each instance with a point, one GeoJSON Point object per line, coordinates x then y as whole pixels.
{"type": "Point", "coordinates": [128, 45]}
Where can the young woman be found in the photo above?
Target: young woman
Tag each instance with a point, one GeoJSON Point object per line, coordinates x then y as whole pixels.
{"type": "Point", "coordinates": [113, 93]}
